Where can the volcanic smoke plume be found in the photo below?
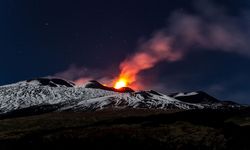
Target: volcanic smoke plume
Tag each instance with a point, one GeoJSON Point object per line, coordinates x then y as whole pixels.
{"type": "Point", "coordinates": [81, 75]}
{"type": "Point", "coordinates": [156, 49]}
{"type": "Point", "coordinates": [209, 29]}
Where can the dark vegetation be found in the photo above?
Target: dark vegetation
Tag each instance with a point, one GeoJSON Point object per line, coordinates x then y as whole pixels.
{"type": "Point", "coordinates": [130, 128]}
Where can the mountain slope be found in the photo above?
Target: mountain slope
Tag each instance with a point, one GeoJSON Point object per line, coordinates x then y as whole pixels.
{"type": "Point", "coordinates": [51, 94]}
{"type": "Point", "coordinates": [200, 97]}
{"type": "Point", "coordinates": [195, 97]}
{"type": "Point", "coordinates": [26, 94]}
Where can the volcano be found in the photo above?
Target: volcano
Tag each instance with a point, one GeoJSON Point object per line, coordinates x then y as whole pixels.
{"type": "Point", "coordinates": [46, 113]}
{"type": "Point", "coordinates": [42, 95]}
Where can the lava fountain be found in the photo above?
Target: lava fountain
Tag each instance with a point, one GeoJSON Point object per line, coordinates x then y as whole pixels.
{"type": "Point", "coordinates": [120, 83]}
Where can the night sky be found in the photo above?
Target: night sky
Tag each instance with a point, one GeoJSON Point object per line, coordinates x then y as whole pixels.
{"type": "Point", "coordinates": [50, 37]}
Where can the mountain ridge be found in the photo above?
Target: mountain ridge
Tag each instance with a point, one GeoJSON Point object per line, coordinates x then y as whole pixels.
{"type": "Point", "coordinates": [53, 94]}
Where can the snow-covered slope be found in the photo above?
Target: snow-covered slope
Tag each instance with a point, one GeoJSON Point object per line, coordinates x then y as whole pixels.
{"type": "Point", "coordinates": [202, 98]}
{"type": "Point", "coordinates": [31, 93]}
{"type": "Point", "coordinates": [61, 95]}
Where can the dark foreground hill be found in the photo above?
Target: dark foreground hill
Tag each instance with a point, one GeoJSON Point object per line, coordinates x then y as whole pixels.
{"type": "Point", "coordinates": [129, 129]}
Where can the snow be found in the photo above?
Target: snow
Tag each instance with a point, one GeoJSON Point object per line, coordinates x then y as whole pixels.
{"type": "Point", "coordinates": [186, 94]}
{"type": "Point", "coordinates": [26, 94]}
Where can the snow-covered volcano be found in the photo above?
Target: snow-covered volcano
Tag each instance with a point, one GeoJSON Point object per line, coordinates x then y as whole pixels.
{"type": "Point", "coordinates": [51, 94]}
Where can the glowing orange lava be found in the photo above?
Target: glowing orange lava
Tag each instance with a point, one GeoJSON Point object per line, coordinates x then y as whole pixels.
{"type": "Point", "coordinates": [120, 83]}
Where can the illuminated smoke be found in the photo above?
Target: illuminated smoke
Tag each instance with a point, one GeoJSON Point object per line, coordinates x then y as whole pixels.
{"type": "Point", "coordinates": [81, 75]}
{"type": "Point", "coordinates": [211, 29]}
{"type": "Point", "coordinates": [155, 50]}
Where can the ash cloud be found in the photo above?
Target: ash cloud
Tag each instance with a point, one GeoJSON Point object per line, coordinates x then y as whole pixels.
{"type": "Point", "coordinates": [81, 75]}
{"type": "Point", "coordinates": [211, 28]}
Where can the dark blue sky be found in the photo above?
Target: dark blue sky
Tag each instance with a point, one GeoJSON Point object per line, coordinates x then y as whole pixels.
{"type": "Point", "coordinates": [41, 38]}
